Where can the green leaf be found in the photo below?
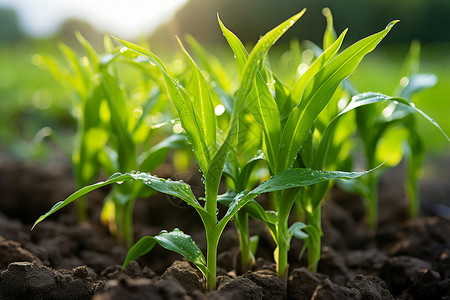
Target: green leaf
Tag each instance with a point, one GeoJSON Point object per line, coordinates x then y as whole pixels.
{"type": "Point", "coordinates": [417, 83]}
{"type": "Point", "coordinates": [175, 188]}
{"type": "Point", "coordinates": [211, 64]}
{"type": "Point", "coordinates": [317, 65]}
{"type": "Point", "coordinates": [90, 49]}
{"type": "Point", "coordinates": [420, 112]}
{"type": "Point", "coordinates": [203, 106]}
{"type": "Point", "coordinates": [357, 101]}
{"type": "Point", "coordinates": [260, 100]}
{"type": "Point", "coordinates": [292, 178]}
{"type": "Point", "coordinates": [390, 146]}
{"type": "Point", "coordinates": [240, 53]}
{"type": "Point", "coordinates": [80, 79]}
{"type": "Point", "coordinates": [296, 230]}
{"type": "Point", "coordinates": [247, 169]}
{"type": "Point", "coordinates": [301, 177]}
{"type": "Point", "coordinates": [330, 35]}
{"type": "Point", "coordinates": [182, 101]}
{"type": "Point", "coordinates": [265, 111]}
{"type": "Point", "coordinates": [152, 158]}
{"type": "Point", "coordinates": [254, 241]}
{"type": "Point", "coordinates": [124, 143]}
{"type": "Point", "coordinates": [258, 54]}
{"type": "Point", "coordinates": [253, 208]}
{"type": "Point", "coordinates": [318, 92]}
{"type": "Point", "coordinates": [176, 241]}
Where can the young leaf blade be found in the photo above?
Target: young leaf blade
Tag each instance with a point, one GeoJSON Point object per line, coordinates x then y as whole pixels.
{"type": "Point", "coordinates": [293, 178]}
{"type": "Point", "coordinates": [176, 241]}
{"type": "Point", "coordinates": [203, 106]}
{"type": "Point", "coordinates": [257, 55]}
{"type": "Point", "coordinates": [318, 92]}
{"type": "Point", "coordinates": [178, 189]}
{"type": "Point", "coordinates": [181, 99]}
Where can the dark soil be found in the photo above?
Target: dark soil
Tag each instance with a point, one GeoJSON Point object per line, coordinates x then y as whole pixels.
{"type": "Point", "coordinates": [60, 259]}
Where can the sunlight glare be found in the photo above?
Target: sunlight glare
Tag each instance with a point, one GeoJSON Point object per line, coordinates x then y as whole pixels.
{"type": "Point", "coordinates": [127, 19]}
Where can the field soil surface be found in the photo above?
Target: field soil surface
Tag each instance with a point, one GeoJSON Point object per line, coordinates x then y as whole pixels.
{"type": "Point", "coordinates": [61, 259]}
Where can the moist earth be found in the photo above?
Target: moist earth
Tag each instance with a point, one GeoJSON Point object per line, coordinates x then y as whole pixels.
{"type": "Point", "coordinates": [62, 259]}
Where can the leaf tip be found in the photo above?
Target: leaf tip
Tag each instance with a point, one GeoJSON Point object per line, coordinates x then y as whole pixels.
{"type": "Point", "coordinates": [299, 15]}
{"type": "Point", "coordinates": [392, 23]}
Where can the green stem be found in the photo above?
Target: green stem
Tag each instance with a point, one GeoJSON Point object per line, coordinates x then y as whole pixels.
{"type": "Point", "coordinates": [81, 209]}
{"type": "Point", "coordinates": [283, 244]}
{"type": "Point", "coordinates": [314, 247]}
{"type": "Point", "coordinates": [372, 201]}
{"type": "Point", "coordinates": [247, 259]}
{"type": "Point", "coordinates": [212, 240]}
{"type": "Point", "coordinates": [212, 236]}
{"type": "Point", "coordinates": [128, 230]}
{"type": "Point", "coordinates": [412, 186]}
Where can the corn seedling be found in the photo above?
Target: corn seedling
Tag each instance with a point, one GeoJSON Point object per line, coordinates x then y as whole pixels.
{"type": "Point", "coordinates": [110, 134]}
{"type": "Point", "coordinates": [91, 136]}
{"type": "Point", "coordinates": [242, 160]}
{"type": "Point", "coordinates": [389, 133]}
{"type": "Point", "coordinates": [287, 126]}
{"type": "Point", "coordinates": [286, 119]}
{"type": "Point", "coordinates": [197, 117]}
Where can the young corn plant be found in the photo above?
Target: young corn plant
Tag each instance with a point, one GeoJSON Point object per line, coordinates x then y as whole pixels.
{"type": "Point", "coordinates": [244, 159]}
{"type": "Point", "coordinates": [79, 77]}
{"type": "Point", "coordinates": [389, 133]}
{"type": "Point", "coordinates": [287, 126]}
{"type": "Point", "coordinates": [110, 135]}
{"type": "Point", "coordinates": [129, 135]}
{"type": "Point", "coordinates": [210, 150]}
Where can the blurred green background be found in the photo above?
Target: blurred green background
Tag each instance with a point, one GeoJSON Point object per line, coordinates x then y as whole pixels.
{"type": "Point", "coordinates": [31, 100]}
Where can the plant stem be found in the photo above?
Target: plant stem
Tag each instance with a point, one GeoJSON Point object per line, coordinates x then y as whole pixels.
{"type": "Point", "coordinates": [314, 248]}
{"type": "Point", "coordinates": [282, 244]}
{"type": "Point", "coordinates": [81, 209]}
{"type": "Point", "coordinates": [212, 236]}
{"type": "Point", "coordinates": [372, 201]}
{"type": "Point", "coordinates": [241, 219]}
{"type": "Point", "coordinates": [128, 230]}
{"type": "Point", "coordinates": [212, 241]}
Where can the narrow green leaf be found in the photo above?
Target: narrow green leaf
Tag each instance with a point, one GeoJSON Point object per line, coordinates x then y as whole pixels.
{"type": "Point", "coordinates": [253, 208]}
{"type": "Point", "coordinates": [417, 83]}
{"type": "Point", "coordinates": [260, 100]}
{"type": "Point", "coordinates": [318, 92]}
{"type": "Point", "coordinates": [90, 49]}
{"type": "Point", "coordinates": [117, 105]}
{"type": "Point", "coordinates": [240, 53]}
{"type": "Point", "coordinates": [142, 247]}
{"type": "Point", "coordinates": [321, 153]}
{"type": "Point", "coordinates": [211, 64]}
{"type": "Point", "coordinates": [203, 106]}
{"type": "Point", "coordinates": [317, 65]}
{"type": "Point", "coordinates": [178, 189]}
{"type": "Point", "coordinates": [182, 101]}
{"type": "Point", "coordinates": [153, 157]}
{"type": "Point", "coordinates": [258, 54]}
{"type": "Point", "coordinates": [376, 97]}
{"type": "Point", "coordinates": [330, 35]}
{"type": "Point", "coordinates": [80, 78]}
{"type": "Point", "coordinates": [296, 230]}
{"type": "Point", "coordinates": [247, 169]}
{"type": "Point", "coordinates": [176, 241]}
{"type": "Point", "coordinates": [292, 178]}
{"type": "Point", "coordinates": [301, 177]}
{"type": "Point", "coordinates": [114, 178]}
